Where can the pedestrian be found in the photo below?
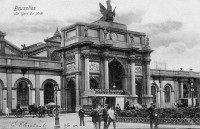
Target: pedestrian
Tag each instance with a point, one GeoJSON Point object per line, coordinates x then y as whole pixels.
{"type": "Point", "coordinates": [132, 107]}
{"type": "Point", "coordinates": [81, 114]}
{"type": "Point", "coordinates": [118, 109]}
{"type": "Point", "coordinates": [153, 116]}
{"type": "Point", "coordinates": [105, 115]}
{"type": "Point", "coordinates": [94, 115]}
{"type": "Point", "coordinates": [127, 106]}
{"type": "Point", "coordinates": [111, 117]}
{"type": "Point", "coordinates": [7, 112]}
{"type": "Point", "coordinates": [100, 112]}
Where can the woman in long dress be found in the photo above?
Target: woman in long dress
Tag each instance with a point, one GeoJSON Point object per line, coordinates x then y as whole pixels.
{"type": "Point", "coordinates": [7, 112]}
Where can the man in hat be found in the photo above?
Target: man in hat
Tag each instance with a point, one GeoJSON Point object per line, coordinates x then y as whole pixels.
{"type": "Point", "coordinates": [105, 115]}
{"type": "Point", "coordinates": [153, 116]}
{"type": "Point", "coordinates": [81, 114]}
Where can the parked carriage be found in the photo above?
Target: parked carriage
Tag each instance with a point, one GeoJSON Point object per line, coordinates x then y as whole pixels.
{"type": "Point", "coordinates": [40, 111]}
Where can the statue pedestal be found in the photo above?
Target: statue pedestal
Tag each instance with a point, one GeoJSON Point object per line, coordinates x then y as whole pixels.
{"type": "Point", "coordinates": [148, 99]}
{"type": "Point", "coordinates": [132, 99]}
{"type": "Point", "coordinates": [110, 24]}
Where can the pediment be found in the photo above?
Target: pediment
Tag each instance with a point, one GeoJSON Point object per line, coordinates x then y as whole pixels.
{"type": "Point", "coordinates": [41, 54]}
{"type": "Point", "coordinates": [10, 52]}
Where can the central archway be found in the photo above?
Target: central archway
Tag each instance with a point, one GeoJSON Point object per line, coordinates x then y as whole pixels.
{"type": "Point", "coordinates": [71, 96]}
{"type": "Point", "coordinates": [116, 75]}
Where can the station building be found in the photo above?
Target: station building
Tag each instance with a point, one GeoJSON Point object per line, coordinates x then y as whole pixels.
{"type": "Point", "coordinates": [100, 62]}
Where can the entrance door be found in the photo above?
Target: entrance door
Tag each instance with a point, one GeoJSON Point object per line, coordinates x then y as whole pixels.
{"type": "Point", "coordinates": [71, 97]}
{"type": "Point", "coordinates": [110, 101]}
{"type": "Point", "coordinates": [23, 94]}
{"type": "Point", "coordinates": [48, 93]}
{"type": "Point", "coordinates": [139, 90]}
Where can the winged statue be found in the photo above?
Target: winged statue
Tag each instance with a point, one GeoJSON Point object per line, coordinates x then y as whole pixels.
{"type": "Point", "coordinates": [108, 14]}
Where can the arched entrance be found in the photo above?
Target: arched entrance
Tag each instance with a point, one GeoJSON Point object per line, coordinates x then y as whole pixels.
{"type": "Point", "coordinates": [71, 96]}
{"type": "Point", "coordinates": [23, 93]}
{"type": "Point", "coordinates": [139, 90]}
{"type": "Point", "coordinates": [48, 93]}
{"type": "Point", "coordinates": [116, 75]}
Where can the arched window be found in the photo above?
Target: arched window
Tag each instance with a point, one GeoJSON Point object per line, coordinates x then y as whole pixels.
{"type": "Point", "coordinates": [48, 93]}
{"type": "Point", "coordinates": [23, 93]}
{"type": "Point", "coordinates": [167, 94]}
{"type": "Point", "coordinates": [195, 91]}
{"type": "Point", "coordinates": [154, 93]}
{"type": "Point", "coordinates": [185, 91]}
{"type": "Point", "coordinates": [116, 75]}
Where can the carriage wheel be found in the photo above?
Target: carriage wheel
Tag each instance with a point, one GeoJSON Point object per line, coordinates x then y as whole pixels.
{"type": "Point", "coordinates": [23, 113]}
{"type": "Point", "coordinates": [18, 114]}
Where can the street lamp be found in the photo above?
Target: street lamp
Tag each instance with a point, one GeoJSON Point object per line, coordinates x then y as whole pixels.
{"type": "Point", "coordinates": [114, 86]}
{"type": "Point", "coordinates": [57, 123]}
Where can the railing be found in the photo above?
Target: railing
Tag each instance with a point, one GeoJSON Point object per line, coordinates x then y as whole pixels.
{"type": "Point", "coordinates": [174, 121]}
{"type": "Point", "coordinates": [30, 63]}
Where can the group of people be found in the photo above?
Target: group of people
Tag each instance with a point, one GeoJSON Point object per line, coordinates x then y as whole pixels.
{"type": "Point", "coordinates": [106, 114]}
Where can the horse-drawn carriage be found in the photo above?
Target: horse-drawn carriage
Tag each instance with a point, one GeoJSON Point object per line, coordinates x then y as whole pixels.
{"type": "Point", "coordinates": [40, 111]}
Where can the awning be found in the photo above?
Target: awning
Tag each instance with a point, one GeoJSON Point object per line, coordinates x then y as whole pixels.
{"type": "Point", "coordinates": [111, 95]}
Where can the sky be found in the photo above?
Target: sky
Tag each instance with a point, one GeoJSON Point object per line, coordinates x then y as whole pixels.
{"type": "Point", "coordinates": [173, 26]}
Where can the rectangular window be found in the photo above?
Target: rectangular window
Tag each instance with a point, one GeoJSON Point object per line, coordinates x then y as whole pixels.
{"type": "Point", "coordinates": [70, 34]}
{"type": "Point", "coordinates": [121, 37]}
{"type": "Point", "coordinates": [92, 33]}
{"type": "Point", "coordinates": [137, 40]}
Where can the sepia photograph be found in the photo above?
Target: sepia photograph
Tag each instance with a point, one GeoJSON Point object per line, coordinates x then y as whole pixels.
{"type": "Point", "coordinates": [100, 64]}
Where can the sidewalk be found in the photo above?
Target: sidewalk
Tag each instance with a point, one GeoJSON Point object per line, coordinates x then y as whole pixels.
{"type": "Point", "coordinates": [71, 121]}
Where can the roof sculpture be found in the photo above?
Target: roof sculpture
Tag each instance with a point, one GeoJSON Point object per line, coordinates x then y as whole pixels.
{"type": "Point", "coordinates": [108, 14]}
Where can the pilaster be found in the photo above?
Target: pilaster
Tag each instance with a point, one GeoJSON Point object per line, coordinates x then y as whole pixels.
{"type": "Point", "coordinates": [148, 97]}
{"type": "Point", "coordinates": [9, 89]}
{"type": "Point", "coordinates": [37, 89]}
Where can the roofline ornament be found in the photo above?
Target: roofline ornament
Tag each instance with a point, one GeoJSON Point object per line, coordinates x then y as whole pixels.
{"type": "Point", "coordinates": [108, 14]}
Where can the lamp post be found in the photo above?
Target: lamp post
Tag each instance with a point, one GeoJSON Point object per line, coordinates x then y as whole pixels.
{"type": "Point", "coordinates": [57, 123]}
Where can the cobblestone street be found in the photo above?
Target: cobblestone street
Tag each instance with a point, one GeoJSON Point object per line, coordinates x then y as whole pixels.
{"type": "Point", "coordinates": [71, 121]}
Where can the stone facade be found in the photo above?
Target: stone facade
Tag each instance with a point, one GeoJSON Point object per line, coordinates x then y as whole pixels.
{"type": "Point", "coordinates": [26, 73]}
{"type": "Point", "coordinates": [101, 62]}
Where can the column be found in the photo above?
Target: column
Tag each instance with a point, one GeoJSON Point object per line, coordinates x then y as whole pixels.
{"type": "Point", "coordinates": [14, 96]}
{"type": "Point", "coordinates": [87, 73]}
{"type": "Point", "coordinates": [147, 82]}
{"type": "Point", "coordinates": [181, 86]}
{"type": "Point", "coordinates": [172, 98]}
{"type": "Point", "coordinates": [148, 78]}
{"type": "Point", "coordinates": [176, 91]}
{"type": "Point", "coordinates": [9, 89]}
{"type": "Point", "coordinates": [161, 95]}
{"type": "Point", "coordinates": [5, 97]}
{"type": "Point", "coordinates": [106, 74]}
{"type": "Point", "coordinates": [77, 76]}
{"type": "Point", "coordinates": [158, 98]}
{"type": "Point", "coordinates": [133, 78]}
{"type": "Point", "coordinates": [37, 89]}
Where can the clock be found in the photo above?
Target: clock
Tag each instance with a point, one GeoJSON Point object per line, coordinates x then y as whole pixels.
{"type": "Point", "coordinates": [114, 36]}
